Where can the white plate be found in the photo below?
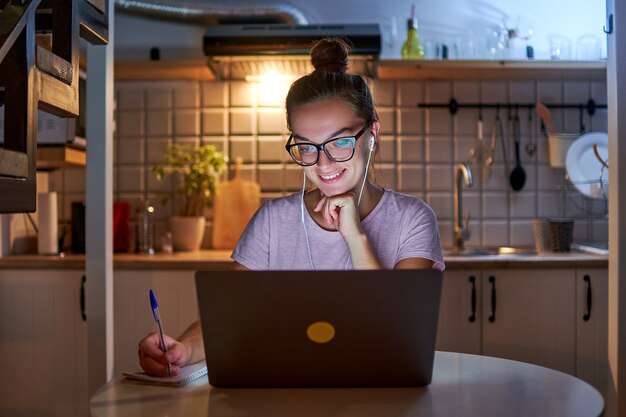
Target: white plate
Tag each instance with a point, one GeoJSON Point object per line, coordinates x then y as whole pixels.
{"type": "Point", "coordinates": [583, 168]}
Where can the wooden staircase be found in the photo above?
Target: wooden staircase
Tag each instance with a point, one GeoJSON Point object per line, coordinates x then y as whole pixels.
{"type": "Point", "coordinates": [39, 55]}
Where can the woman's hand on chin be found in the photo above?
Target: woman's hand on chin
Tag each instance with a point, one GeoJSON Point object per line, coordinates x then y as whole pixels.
{"type": "Point", "coordinates": [341, 212]}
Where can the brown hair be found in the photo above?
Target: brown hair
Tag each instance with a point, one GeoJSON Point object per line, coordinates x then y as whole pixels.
{"type": "Point", "coordinates": [330, 80]}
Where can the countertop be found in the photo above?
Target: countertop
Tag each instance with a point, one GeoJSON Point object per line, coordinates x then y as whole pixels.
{"type": "Point", "coordinates": [220, 259]}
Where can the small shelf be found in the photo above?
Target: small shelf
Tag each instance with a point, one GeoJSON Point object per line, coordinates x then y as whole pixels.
{"type": "Point", "coordinates": [60, 156]}
{"type": "Point", "coordinates": [395, 69]}
{"type": "Point", "coordinates": [195, 69]}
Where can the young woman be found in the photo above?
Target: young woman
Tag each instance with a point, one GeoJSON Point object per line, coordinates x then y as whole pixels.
{"type": "Point", "coordinates": [345, 221]}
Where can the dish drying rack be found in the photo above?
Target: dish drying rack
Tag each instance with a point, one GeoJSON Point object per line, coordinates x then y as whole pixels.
{"type": "Point", "coordinates": [585, 210]}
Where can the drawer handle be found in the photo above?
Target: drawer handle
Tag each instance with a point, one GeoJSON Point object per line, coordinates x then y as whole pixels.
{"type": "Point", "coordinates": [587, 316]}
{"type": "Point", "coordinates": [492, 318]}
{"type": "Point", "coordinates": [472, 280]}
{"type": "Point", "coordinates": [82, 298]}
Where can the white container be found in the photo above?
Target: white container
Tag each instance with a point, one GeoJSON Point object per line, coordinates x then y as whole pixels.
{"type": "Point", "coordinates": [47, 238]}
{"type": "Point", "coordinates": [558, 144]}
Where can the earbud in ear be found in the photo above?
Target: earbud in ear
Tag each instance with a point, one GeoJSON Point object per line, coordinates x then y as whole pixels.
{"type": "Point", "coordinates": [372, 143]}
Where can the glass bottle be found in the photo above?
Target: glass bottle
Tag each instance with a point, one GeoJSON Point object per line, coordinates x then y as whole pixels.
{"type": "Point", "coordinates": [145, 228]}
{"type": "Point", "coordinates": [412, 48]}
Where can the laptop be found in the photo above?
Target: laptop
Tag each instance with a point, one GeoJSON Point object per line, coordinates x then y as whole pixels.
{"type": "Point", "coordinates": [374, 328]}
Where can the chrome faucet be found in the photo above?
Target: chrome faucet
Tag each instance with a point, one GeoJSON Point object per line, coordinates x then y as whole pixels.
{"type": "Point", "coordinates": [461, 231]}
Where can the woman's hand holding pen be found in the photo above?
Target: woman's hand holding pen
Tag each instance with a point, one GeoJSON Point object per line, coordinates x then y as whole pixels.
{"type": "Point", "coordinates": [154, 361]}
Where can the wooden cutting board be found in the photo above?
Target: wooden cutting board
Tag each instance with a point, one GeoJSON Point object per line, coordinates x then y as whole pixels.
{"type": "Point", "coordinates": [234, 204]}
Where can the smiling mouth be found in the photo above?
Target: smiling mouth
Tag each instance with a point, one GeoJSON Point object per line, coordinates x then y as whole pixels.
{"type": "Point", "coordinates": [332, 177]}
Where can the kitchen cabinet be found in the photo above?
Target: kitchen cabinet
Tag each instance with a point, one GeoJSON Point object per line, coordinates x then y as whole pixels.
{"type": "Point", "coordinates": [133, 320]}
{"type": "Point", "coordinates": [529, 316]}
{"type": "Point", "coordinates": [459, 326]}
{"type": "Point", "coordinates": [43, 344]}
{"type": "Point", "coordinates": [541, 316]}
{"type": "Point", "coordinates": [592, 296]}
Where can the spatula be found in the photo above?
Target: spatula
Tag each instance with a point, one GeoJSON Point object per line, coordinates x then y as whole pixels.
{"type": "Point", "coordinates": [545, 115]}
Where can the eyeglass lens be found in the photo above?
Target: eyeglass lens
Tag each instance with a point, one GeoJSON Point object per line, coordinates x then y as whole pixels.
{"type": "Point", "coordinates": [338, 150]}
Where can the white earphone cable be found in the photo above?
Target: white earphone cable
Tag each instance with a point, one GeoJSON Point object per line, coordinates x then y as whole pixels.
{"type": "Point", "coordinates": [306, 234]}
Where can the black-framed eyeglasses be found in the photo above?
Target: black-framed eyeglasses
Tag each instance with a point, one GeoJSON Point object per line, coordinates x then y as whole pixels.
{"type": "Point", "coordinates": [336, 149]}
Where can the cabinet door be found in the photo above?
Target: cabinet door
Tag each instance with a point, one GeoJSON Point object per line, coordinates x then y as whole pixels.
{"type": "Point", "coordinates": [529, 315]}
{"type": "Point", "coordinates": [133, 320]}
{"type": "Point", "coordinates": [43, 344]}
{"type": "Point", "coordinates": [460, 312]}
{"type": "Point", "coordinates": [592, 327]}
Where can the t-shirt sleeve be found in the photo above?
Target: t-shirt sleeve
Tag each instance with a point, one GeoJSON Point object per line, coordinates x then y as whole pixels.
{"type": "Point", "coordinates": [420, 237]}
{"type": "Point", "coordinates": [253, 248]}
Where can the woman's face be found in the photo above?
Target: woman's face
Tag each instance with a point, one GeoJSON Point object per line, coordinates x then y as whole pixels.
{"type": "Point", "coordinates": [329, 119]}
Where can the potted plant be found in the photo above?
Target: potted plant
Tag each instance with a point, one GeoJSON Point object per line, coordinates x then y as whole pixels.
{"type": "Point", "coordinates": [198, 169]}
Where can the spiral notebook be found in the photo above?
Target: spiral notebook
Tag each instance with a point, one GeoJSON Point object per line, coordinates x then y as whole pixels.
{"type": "Point", "coordinates": [187, 374]}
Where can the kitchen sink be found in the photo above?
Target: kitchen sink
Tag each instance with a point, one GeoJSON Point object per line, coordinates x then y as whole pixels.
{"type": "Point", "coordinates": [498, 251]}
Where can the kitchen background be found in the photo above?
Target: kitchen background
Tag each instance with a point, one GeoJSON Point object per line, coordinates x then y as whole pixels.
{"type": "Point", "coordinates": [417, 155]}
{"type": "Point", "coordinates": [419, 147]}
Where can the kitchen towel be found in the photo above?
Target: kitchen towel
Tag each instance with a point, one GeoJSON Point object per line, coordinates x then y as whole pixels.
{"type": "Point", "coordinates": [47, 237]}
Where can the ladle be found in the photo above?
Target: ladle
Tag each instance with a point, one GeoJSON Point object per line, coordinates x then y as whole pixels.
{"type": "Point", "coordinates": [518, 175]}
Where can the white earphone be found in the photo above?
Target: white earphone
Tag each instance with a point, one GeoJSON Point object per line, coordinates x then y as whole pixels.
{"type": "Point", "coordinates": [372, 143]}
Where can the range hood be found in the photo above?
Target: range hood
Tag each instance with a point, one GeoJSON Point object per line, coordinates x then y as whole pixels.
{"type": "Point", "coordinates": [252, 50]}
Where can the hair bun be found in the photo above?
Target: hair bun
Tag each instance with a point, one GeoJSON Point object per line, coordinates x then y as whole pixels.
{"type": "Point", "coordinates": [330, 54]}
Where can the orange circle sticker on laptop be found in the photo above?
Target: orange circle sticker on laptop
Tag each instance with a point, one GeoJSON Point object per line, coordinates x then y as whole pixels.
{"type": "Point", "coordinates": [320, 332]}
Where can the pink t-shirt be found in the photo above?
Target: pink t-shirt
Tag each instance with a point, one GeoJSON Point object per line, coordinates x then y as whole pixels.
{"type": "Point", "coordinates": [399, 227]}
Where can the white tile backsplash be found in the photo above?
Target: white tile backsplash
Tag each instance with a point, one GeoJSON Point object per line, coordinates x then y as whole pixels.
{"type": "Point", "coordinates": [130, 99]}
{"type": "Point", "coordinates": [384, 93]}
{"type": "Point", "coordinates": [159, 123]}
{"type": "Point", "coordinates": [214, 94]}
{"type": "Point", "coordinates": [158, 98]}
{"type": "Point", "coordinates": [130, 123]}
{"type": "Point", "coordinates": [410, 121]}
{"type": "Point", "coordinates": [242, 121]}
{"type": "Point", "coordinates": [417, 152]}
{"type": "Point", "coordinates": [244, 148]}
{"type": "Point", "coordinates": [214, 122]}
{"type": "Point", "coordinates": [410, 149]}
{"type": "Point", "coordinates": [272, 149]}
{"type": "Point", "coordinates": [410, 93]}
{"type": "Point", "coordinates": [242, 94]}
{"type": "Point", "coordinates": [130, 179]}
{"type": "Point", "coordinates": [386, 150]}
{"type": "Point", "coordinates": [187, 96]}
{"type": "Point", "coordinates": [387, 121]}
{"type": "Point", "coordinates": [467, 91]}
{"type": "Point", "coordinates": [438, 91]}
{"type": "Point", "coordinates": [411, 177]}
{"type": "Point", "coordinates": [271, 121]}
{"type": "Point", "coordinates": [495, 233]}
{"type": "Point", "coordinates": [130, 151]}
{"type": "Point", "coordinates": [272, 177]}
{"type": "Point", "coordinates": [495, 205]}
{"type": "Point", "coordinates": [438, 149]}
{"type": "Point", "coordinates": [155, 149]}
{"type": "Point", "coordinates": [186, 122]}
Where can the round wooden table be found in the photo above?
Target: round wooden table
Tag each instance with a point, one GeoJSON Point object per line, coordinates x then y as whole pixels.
{"type": "Point", "coordinates": [463, 385]}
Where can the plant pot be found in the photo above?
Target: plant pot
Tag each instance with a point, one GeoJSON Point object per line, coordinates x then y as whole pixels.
{"type": "Point", "coordinates": [187, 232]}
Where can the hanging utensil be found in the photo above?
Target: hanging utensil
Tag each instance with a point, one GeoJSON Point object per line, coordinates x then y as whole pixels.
{"type": "Point", "coordinates": [517, 178]}
{"type": "Point", "coordinates": [489, 152]}
{"type": "Point", "coordinates": [531, 146]}
{"type": "Point", "coordinates": [546, 116]}
{"type": "Point", "coordinates": [503, 144]}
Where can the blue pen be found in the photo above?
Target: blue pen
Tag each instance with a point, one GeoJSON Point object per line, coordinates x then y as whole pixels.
{"type": "Point", "coordinates": [157, 317]}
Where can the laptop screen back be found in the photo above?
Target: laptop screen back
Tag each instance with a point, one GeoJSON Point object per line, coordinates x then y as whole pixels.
{"type": "Point", "coordinates": [319, 329]}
